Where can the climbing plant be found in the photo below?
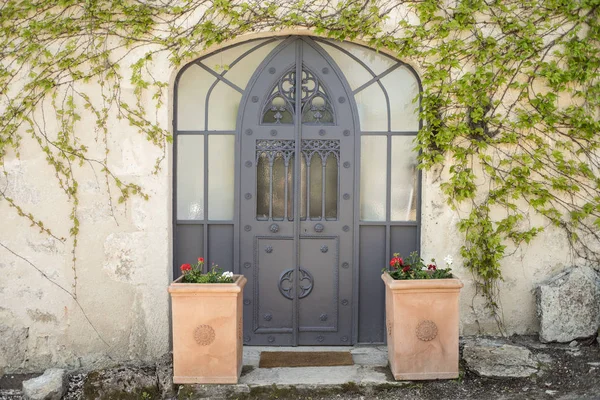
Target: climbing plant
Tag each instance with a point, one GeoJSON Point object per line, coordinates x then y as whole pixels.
{"type": "Point", "coordinates": [511, 99]}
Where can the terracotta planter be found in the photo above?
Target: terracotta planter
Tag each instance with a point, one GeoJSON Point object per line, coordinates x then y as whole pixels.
{"type": "Point", "coordinates": [422, 327]}
{"type": "Point", "coordinates": [207, 331]}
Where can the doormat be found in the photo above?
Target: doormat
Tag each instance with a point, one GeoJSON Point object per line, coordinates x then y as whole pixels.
{"type": "Point", "coordinates": [276, 359]}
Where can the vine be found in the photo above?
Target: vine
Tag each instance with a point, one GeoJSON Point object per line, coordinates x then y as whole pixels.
{"type": "Point", "coordinates": [511, 98]}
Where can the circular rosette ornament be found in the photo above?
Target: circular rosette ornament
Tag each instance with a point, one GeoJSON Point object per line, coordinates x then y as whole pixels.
{"type": "Point", "coordinates": [204, 335]}
{"type": "Point", "coordinates": [426, 330]}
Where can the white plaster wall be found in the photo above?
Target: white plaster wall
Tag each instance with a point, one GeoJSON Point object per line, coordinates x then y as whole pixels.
{"type": "Point", "coordinates": [124, 257]}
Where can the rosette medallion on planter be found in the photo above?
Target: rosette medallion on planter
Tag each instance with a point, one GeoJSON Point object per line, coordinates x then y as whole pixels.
{"type": "Point", "coordinates": [422, 317]}
{"type": "Point", "coordinates": [207, 326]}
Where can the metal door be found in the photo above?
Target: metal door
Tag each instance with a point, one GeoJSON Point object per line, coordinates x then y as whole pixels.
{"type": "Point", "coordinates": [297, 212]}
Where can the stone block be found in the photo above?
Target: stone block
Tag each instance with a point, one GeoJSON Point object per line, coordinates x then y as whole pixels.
{"type": "Point", "coordinates": [568, 305]}
{"type": "Point", "coordinates": [497, 359]}
{"type": "Point", "coordinates": [50, 386]}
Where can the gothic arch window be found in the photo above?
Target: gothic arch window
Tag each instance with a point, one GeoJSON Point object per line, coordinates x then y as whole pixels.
{"type": "Point", "coordinates": [208, 92]}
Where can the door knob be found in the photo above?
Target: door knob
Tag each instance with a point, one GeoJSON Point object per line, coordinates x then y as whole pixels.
{"type": "Point", "coordinates": [319, 228]}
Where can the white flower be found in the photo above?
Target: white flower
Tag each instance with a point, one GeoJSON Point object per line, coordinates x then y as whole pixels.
{"type": "Point", "coordinates": [227, 275]}
{"type": "Point", "coordinates": [448, 259]}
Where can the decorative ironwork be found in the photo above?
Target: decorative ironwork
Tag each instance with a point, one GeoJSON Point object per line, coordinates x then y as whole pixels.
{"type": "Point", "coordinates": [316, 106]}
{"type": "Point", "coordinates": [344, 302]}
{"type": "Point", "coordinates": [324, 249]}
{"type": "Point", "coordinates": [280, 104]}
{"type": "Point", "coordinates": [248, 164]}
{"type": "Point", "coordinates": [346, 196]}
{"type": "Point", "coordinates": [345, 265]}
{"type": "Point", "coordinates": [279, 107]}
{"type": "Point", "coordinates": [247, 338]}
{"type": "Point", "coordinates": [322, 147]}
{"type": "Point", "coordinates": [274, 228]}
{"type": "Point", "coordinates": [346, 132]}
{"type": "Point", "coordinates": [247, 265]}
{"type": "Point", "coordinates": [346, 164]}
{"type": "Point", "coordinates": [204, 335]}
{"type": "Point", "coordinates": [247, 302]}
{"type": "Point", "coordinates": [345, 228]}
{"type": "Point", "coordinates": [249, 132]}
{"type": "Point", "coordinates": [271, 339]}
{"type": "Point", "coordinates": [286, 283]}
{"type": "Point", "coordinates": [286, 148]}
{"type": "Point", "coordinates": [274, 147]}
{"type": "Point", "coordinates": [268, 317]}
{"type": "Point", "coordinates": [319, 228]}
{"type": "Point", "coordinates": [323, 317]}
{"type": "Point", "coordinates": [426, 330]}
{"type": "Point", "coordinates": [269, 248]}
{"type": "Point", "coordinates": [248, 196]}
{"type": "Point", "coordinates": [273, 132]}
{"type": "Point", "coordinates": [322, 132]}
{"type": "Point", "coordinates": [247, 228]}
{"type": "Point", "coordinates": [344, 339]}
{"type": "Point", "coordinates": [320, 338]}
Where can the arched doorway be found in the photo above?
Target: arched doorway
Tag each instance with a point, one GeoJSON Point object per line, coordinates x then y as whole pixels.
{"type": "Point", "coordinates": [294, 167]}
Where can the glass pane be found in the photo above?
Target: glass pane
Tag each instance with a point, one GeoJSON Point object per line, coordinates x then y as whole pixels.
{"type": "Point", "coordinates": [223, 105]}
{"type": "Point", "coordinates": [222, 60]}
{"type": "Point", "coordinates": [376, 61]}
{"type": "Point", "coordinates": [290, 188]}
{"type": "Point", "coordinates": [190, 177]}
{"type": "Point", "coordinates": [279, 111]}
{"type": "Point", "coordinates": [221, 156]}
{"type": "Point", "coordinates": [354, 73]}
{"type": "Point", "coordinates": [241, 72]}
{"type": "Point", "coordinates": [303, 188]}
{"type": "Point", "coordinates": [402, 89]}
{"type": "Point", "coordinates": [404, 179]}
{"type": "Point", "coordinates": [318, 111]}
{"type": "Point", "coordinates": [278, 187]}
{"type": "Point", "coordinates": [372, 109]}
{"type": "Point", "coordinates": [263, 180]}
{"type": "Point", "coordinates": [331, 187]}
{"type": "Point", "coordinates": [316, 187]}
{"type": "Point", "coordinates": [373, 167]}
{"type": "Point", "coordinates": [191, 97]}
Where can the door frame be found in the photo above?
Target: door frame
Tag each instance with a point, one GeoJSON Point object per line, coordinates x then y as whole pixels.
{"type": "Point", "coordinates": [356, 199]}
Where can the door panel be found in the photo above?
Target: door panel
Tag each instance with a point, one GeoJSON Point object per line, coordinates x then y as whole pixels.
{"type": "Point", "coordinates": [272, 312]}
{"type": "Point", "coordinates": [297, 200]}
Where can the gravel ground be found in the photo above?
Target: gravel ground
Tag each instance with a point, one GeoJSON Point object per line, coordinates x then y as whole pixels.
{"type": "Point", "coordinates": [569, 372]}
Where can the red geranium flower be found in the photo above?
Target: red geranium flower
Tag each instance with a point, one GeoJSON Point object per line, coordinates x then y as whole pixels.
{"type": "Point", "coordinates": [201, 260]}
{"type": "Point", "coordinates": [406, 269]}
{"type": "Point", "coordinates": [186, 267]}
{"type": "Point", "coordinates": [431, 267]}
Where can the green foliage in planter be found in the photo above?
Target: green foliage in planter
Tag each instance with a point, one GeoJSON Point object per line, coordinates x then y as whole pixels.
{"type": "Point", "coordinates": [510, 101]}
{"type": "Point", "coordinates": [413, 267]}
{"type": "Point", "coordinates": [194, 273]}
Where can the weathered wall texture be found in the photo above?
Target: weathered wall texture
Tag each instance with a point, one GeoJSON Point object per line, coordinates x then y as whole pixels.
{"type": "Point", "coordinates": [124, 259]}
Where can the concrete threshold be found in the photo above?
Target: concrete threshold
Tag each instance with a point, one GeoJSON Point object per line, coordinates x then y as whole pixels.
{"type": "Point", "coordinates": [370, 369]}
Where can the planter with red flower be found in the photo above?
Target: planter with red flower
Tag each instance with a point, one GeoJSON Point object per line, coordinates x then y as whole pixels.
{"type": "Point", "coordinates": [422, 317]}
{"type": "Point", "coordinates": [207, 325]}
